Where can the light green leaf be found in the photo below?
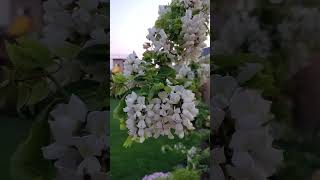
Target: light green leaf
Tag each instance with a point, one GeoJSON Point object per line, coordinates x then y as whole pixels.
{"type": "Point", "coordinates": [118, 112]}
{"type": "Point", "coordinates": [68, 51]}
{"type": "Point", "coordinates": [29, 54]}
{"type": "Point", "coordinates": [128, 142]}
{"type": "Point", "coordinates": [119, 78]}
{"type": "Point", "coordinates": [39, 92]}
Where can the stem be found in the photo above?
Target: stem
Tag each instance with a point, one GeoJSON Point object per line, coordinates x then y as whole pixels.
{"type": "Point", "coordinates": [58, 85]}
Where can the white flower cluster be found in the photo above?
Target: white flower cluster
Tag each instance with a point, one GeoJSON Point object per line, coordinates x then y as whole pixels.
{"type": "Point", "coordinates": [204, 73]}
{"type": "Point", "coordinates": [163, 10]}
{"type": "Point", "coordinates": [76, 151]}
{"type": "Point", "coordinates": [175, 110]}
{"type": "Point", "coordinates": [195, 4]}
{"type": "Point", "coordinates": [253, 155]}
{"type": "Point", "coordinates": [185, 72]}
{"type": "Point", "coordinates": [300, 33]}
{"type": "Point", "coordinates": [159, 40]}
{"type": "Point", "coordinates": [238, 30]}
{"type": "Point", "coordinates": [61, 22]}
{"type": "Point", "coordinates": [194, 34]}
{"type": "Point", "coordinates": [133, 66]}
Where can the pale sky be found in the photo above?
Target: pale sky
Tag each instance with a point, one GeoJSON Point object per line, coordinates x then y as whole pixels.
{"type": "Point", "coordinates": [129, 23]}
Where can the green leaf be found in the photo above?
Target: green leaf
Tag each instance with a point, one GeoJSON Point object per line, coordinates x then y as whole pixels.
{"type": "Point", "coordinates": [128, 142]}
{"type": "Point", "coordinates": [154, 90]}
{"type": "Point", "coordinates": [93, 54]}
{"type": "Point", "coordinates": [29, 54]}
{"type": "Point", "coordinates": [69, 51]}
{"type": "Point", "coordinates": [122, 124]}
{"type": "Point", "coordinates": [5, 76]}
{"type": "Point", "coordinates": [24, 92]}
{"type": "Point", "coordinates": [90, 92]}
{"type": "Point", "coordinates": [118, 112]}
{"type": "Point", "coordinates": [35, 50]}
{"type": "Point", "coordinates": [27, 163]}
{"type": "Point", "coordinates": [119, 78]}
{"type": "Point", "coordinates": [166, 72]}
{"type": "Point", "coordinates": [167, 89]}
{"type": "Point", "coordinates": [39, 91]}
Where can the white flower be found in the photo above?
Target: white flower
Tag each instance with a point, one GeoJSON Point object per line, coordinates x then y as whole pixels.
{"type": "Point", "coordinates": [133, 66]}
{"type": "Point", "coordinates": [76, 156]}
{"type": "Point", "coordinates": [174, 110]}
{"type": "Point", "coordinates": [174, 98]}
{"type": "Point", "coordinates": [194, 34]}
{"type": "Point", "coordinates": [249, 109]}
{"type": "Point", "coordinates": [90, 165]}
{"type": "Point", "coordinates": [161, 44]}
{"type": "Point", "coordinates": [248, 31]}
{"type": "Point", "coordinates": [185, 72]}
{"type": "Point", "coordinates": [223, 90]}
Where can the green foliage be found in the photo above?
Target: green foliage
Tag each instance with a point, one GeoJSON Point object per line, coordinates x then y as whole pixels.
{"type": "Point", "coordinates": [69, 51]}
{"type": "Point", "coordinates": [171, 22]}
{"type": "Point", "coordinates": [202, 120]}
{"type": "Point", "coordinates": [166, 72]}
{"type": "Point", "coordinates": [29, 54]}
{"type": "Point", "coordinates": [185, 174]}
{"type": "Point", "coordinates": [154, 90]}
{"type": "Point", "coordinates": [93, 54]}
{"type": "Point", "coordinates": [27, 163]}
{"type": "Point", "coordinates": [119, 114]}
{"type": "Point", "coordinates": [118, 86]}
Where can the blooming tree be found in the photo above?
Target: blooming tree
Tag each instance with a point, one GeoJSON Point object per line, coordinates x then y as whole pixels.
{"type": "Point", "coordinates": [160, 91]}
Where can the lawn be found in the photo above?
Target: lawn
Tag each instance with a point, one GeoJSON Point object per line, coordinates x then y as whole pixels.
{"type": "Point", "coordinates": [133, 163]}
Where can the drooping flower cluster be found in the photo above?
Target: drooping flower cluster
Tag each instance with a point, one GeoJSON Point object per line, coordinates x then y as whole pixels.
{"type": "Point", "coordinates": [159, 40]}
{"type": "Point", "coordinates": [253, 155]}
{"type": "Point", "coordinates": [156, 175]}
{"type": "Point", "coordinates": [163, 10]}
{"type": "Point", "coordinates": [185, 72]}
{"type": "Point", "coordinates": [194, 32]}
{"type": "Point", "coordinates": [175, 110]}
{"type": "Point", "coordinates": [63, 23]}
{"type": "Point", "coordinates": [133, 65]}
{"type": "Point", "coordinates": [204, 73]}
{"type": "Point", "coordinates": [195, 4]}
{"type": "Point", "coordinates": [80, 141]}
{"type": "Point", "coordinates": [242, 29]}
{"type": "Point", "coordinates": [299, 34]}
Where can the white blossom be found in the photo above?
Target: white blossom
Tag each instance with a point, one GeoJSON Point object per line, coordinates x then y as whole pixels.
{"type": "Point", "coordinates": [194, 34]}
{"type": "Point", "coordinates": [74, 149]}
{"type": "Point", "coordinates": [238, 30]}
{"type": "Point", "coordinates": [161, 115]}
{"type": "Point", "coordinates": [133, 66]}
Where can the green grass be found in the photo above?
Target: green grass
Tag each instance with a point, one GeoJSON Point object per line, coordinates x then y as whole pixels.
{"type": "Point", "coordinates": [141, 159]}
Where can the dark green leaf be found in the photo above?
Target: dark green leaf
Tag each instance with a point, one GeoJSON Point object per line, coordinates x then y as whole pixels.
{"type": "Point", "coordinates": [154, 90]}
{"type": "Point", "coordinates": [27, 162]}
{"type": "Point", "coordinates": [24, 92]}
{"type": "Point", "coordinates": [39, 91]}
{"type": "Point", "coordinates": [93, 54]}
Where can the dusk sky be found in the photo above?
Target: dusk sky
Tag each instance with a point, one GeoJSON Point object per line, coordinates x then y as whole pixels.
{"type": "Point", "coordinates": [129, 23]}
